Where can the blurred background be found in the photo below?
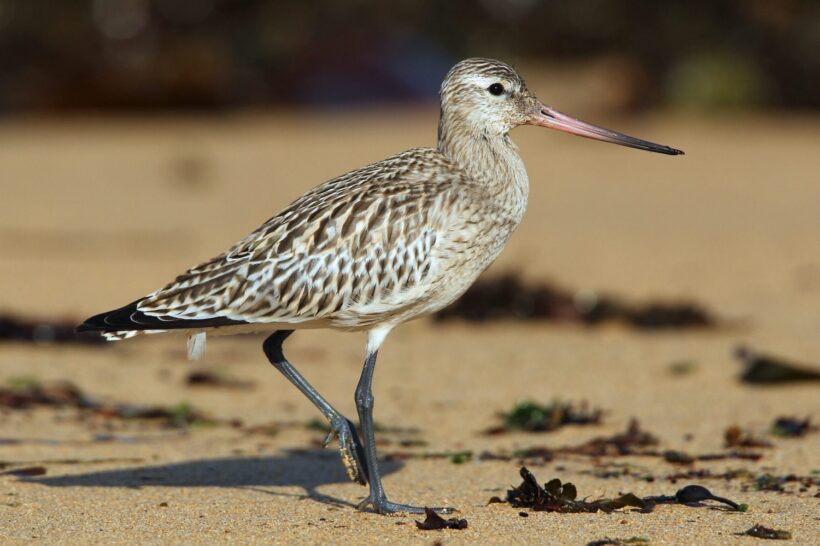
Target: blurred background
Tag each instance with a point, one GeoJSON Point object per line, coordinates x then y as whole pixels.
{"type": "Point", "coordinates": [226, 54]}
{"type": "Point", "coordinates": [138, 137]}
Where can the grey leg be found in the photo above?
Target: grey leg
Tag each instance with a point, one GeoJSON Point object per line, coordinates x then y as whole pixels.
{"type": "Point", "coordinates": [364, 404]}
{"type": "Point", "coordinates": [340, 426]}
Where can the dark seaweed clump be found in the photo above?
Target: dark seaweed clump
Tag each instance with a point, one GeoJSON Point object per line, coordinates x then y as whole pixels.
{"type": "Point", "coordinates": [760, 531]}
{"type": "Point", "coordinates": [434, 522]}
{"type": "Point", "coordinates": [509, 297]}
{"type": "Point", "coordinates": [792, 427]}
{"type": "Point", "coordinates": [555, 496]}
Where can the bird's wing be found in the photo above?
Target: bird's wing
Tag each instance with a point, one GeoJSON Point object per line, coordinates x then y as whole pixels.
{"type": "Point", "coordinates": [361, 237]}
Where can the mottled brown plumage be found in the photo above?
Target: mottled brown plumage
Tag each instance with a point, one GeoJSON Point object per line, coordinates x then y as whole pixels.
{"type": "Point", "coordinates": [373, 248]}
{"type": "Point", "coordinates": [352, 252]}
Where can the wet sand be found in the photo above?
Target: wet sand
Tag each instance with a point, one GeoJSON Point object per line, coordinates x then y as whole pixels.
{"type": "Point", "coordinates": [98, 212]}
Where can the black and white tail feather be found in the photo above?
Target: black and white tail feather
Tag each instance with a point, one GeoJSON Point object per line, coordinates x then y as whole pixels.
{"type": "Point", "coordinates": [129, 321]}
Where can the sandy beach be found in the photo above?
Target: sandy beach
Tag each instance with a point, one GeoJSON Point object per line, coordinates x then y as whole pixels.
{"type": "Point", "coordinates": [97, 212]}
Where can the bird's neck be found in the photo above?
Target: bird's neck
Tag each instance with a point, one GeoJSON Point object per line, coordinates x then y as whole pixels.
{"type": "Point", "coordinates": [489, 158]}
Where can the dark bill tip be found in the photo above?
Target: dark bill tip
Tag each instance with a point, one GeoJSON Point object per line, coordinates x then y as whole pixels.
{"type": "Point", "coordinates": [548, 117]}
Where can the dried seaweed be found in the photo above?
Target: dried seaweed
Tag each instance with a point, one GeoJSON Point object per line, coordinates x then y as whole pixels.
{"type": "Point", "coordinates": [734, 436]}
{"type": "Point", "coordinates": [638, 541]}
{"type": "Point", "coordinates": [179, 415]}
{"type": "Point", "coordinates": [634, 441]}
{"type": "Point", "coordinates": [25, 471]}
{"type": "Point", "coordinates": [18, 329]}
{"type": "Point", "coordinates": [555, 496]}
{"type": "Point", "coordinates": [26, 391]}
{"type": "Point", "coordinates": [434, 522]}
{"type": "Point", "coordinates": [772, 482]}
{"type": "Point", "coordinates": [760, 531]}
{"type": "Point", "coordinates": [22, 393]}
{"type": "Point", "coordinates": [683, 458]}
{"type": "Point", "coordinates": [509, 297]}
{"type": "Point", "coordinates": [763, 369]}
{"type": "Point", "coordinates": [792, 427]}
{"type": "Point", "coordinates": [533, 417]}
{"type": "Point", "coordinates": [678, 457]}
{"type": "Point", "coordinates": [208, 378]}
{"type": "Point", "coordinates": [625, 443]}
{"type": "Point", "coordinates": [628, 442]}
{"type": "Point", "coordinates": [760, 482]}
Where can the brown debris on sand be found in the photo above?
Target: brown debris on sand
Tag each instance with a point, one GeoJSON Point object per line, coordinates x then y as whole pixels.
{"type": "Point", "coordinates": [763, 369]}
{"type": "Point", "coordinates": [634, 441]}
{"type": "Point", "coordinates": [210, 378]}
{"type": "Point", "coordinates": [43, 332]}
{"type": "Point", "coordinates": [759, 531]}
{"type": "Point", "coordinates": [22, 393]}
{"type": "Point", "coordinates": [434, 522]}
{"type": "Point", "coordinates": [751, 480]}
{"type": "Point", "coordinates": [734, 436]}
{"type": "Point", "coordinates": [634, 541]}
{"type": "Point", "coordinates": [630, 442]}
{"type": "Point", "coordinates": [25, 471]}
{"type": "Point", "coordinates": [509, 297]}
{"type": "Point", "coordinates": [624, 443]}
{"type": "Point", "coordinates": [639, 442]}
{"type": "Point", "coordinates": [792, 427]}
{"type": "Point", "coordinates": [555, 496]}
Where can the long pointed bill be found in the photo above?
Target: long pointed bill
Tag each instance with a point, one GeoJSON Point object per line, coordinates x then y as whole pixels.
{"type": "Point", "coordinates": [547, 117]}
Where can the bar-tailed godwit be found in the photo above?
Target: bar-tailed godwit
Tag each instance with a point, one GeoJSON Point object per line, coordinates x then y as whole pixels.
{"type": "Point", "coordinates": [371, 249]}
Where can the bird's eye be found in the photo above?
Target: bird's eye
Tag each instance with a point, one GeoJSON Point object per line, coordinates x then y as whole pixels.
{"type": "Point", "coordinates": [496, 89]}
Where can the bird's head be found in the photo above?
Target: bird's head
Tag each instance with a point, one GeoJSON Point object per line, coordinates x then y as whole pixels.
{"type": "Point", "coordinates": [489, 98]}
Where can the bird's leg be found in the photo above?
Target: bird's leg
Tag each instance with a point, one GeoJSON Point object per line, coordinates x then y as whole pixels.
{"type": "Point", "coordinates": [377, 499]}
{"type": "Point", "coordinates": [350, 447]}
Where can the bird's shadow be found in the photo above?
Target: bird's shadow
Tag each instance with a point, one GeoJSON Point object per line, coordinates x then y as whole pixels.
{"type": "Point", "coordinates": [308, 469]}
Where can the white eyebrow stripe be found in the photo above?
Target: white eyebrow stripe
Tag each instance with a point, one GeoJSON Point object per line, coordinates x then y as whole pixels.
{"type": "Point", "coordinates": [486, 81]}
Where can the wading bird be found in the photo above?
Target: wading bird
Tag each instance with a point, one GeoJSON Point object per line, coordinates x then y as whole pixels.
{"type": "Point", "coordinates": [371, 249]}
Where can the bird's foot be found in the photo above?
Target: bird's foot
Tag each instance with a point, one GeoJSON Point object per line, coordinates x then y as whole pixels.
{"type": "Point", "coordinates": [384, 506]}
{"type": "Point", "coordinates": [350, 448]}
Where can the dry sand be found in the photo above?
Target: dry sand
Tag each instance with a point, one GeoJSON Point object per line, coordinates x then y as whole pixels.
{"type": "Point", "coordinates": [96, 213]}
